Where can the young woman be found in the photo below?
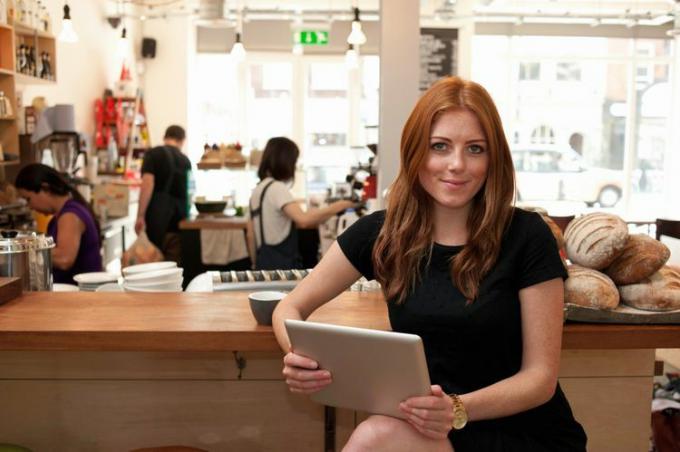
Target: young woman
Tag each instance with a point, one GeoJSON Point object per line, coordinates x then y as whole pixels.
{"type": "Point", "coordinates": [74, 227]}
{"type": "Point", "coordinates": [276, 216]}
{"type": "Point", "coordinates": [480, 281]}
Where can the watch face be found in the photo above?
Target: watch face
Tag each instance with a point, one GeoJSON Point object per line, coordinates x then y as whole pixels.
{"type": "Point", "coordinates": [459, 420]}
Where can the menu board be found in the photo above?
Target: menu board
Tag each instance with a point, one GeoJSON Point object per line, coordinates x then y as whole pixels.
{"type": "Point", "coordinates": [438, 54]}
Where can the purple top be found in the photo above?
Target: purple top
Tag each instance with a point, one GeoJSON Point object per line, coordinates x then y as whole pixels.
{"type": "Point", "coordinates": [89, 258]}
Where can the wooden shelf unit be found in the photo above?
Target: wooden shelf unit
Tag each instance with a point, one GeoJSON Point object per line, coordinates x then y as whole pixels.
{"type": "Point", "coordinates": [11, 36]}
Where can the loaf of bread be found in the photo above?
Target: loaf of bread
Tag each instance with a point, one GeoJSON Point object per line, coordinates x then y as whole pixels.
{"type": "Point", "coordinates": [641, 257]}
{"type": "Point", "coordinates": [658, 292]}
{"type": "Point", "coordinates": [595, 240]}
{"type": "Point", "coordinates": [556, 231]}
{"type": "Point", "coordinates": [590, 288]}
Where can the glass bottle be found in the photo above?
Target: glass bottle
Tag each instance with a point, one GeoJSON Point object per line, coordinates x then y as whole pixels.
{"type": "Point", "coordinates": [3, 108]}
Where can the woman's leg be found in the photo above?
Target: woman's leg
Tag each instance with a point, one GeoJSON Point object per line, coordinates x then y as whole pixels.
{"type": "Point", "coordinates": [384, 433]}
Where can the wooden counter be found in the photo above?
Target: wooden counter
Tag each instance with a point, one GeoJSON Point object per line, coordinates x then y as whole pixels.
{"type": "Point", "coordinates": [218, 221]}
{"type": "Point", "coordinates": [115, 371]}
{"type": "Point", "coordinates": [223, 322]}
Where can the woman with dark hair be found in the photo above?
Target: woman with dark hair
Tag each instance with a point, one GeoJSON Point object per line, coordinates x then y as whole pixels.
{"type": "Point", "coordinates": [74, 226]}
{"type": "Point", "coordinates": [275, 214]}
{"type": "Point", "coordinates": [480, 281]}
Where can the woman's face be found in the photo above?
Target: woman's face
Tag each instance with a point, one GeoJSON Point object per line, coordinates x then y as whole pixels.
{"type": "Point", "coordinates": [457, 162]}
{"type": "Point", "coordinates": [37, 201]}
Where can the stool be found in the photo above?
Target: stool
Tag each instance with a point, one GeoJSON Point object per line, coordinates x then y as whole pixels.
{"type": "Point", "coordinates": [4, 447]}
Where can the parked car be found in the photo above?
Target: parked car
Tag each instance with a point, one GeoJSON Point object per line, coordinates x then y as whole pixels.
{"type": "Point", "coordinates": [552, 174]}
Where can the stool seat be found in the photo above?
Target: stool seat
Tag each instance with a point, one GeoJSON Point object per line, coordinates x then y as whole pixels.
{"type": "Point", "coordinates": [4, 447]}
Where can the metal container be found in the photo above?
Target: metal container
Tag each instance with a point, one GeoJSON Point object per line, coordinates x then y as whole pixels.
{"type": "Point", "coordinates": [28, 256]}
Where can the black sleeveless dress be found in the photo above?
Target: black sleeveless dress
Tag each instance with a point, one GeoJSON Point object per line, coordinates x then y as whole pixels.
{"type": "Point", "coordinates": [471, 347]}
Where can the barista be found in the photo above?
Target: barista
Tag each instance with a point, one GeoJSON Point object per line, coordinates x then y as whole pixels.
{"type": "Point", "coordinates": [73, 226]}
{"type": "Point", "coordinates": [275, 214]}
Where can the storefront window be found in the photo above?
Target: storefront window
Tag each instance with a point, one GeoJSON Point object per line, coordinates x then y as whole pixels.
{"type": "Point", "coordinates": [332, 113]}
{"type": "Point", "coordinates": [582, 145]}
{"type": "Point", "coordinates": [269, 103]}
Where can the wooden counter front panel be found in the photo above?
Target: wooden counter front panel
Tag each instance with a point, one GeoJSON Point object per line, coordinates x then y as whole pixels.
{"type": "Point", "coordinates": [117, 401]}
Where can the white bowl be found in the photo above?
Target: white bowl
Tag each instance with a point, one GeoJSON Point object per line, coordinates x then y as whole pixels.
{"type": "Point", "coordinates": [94, 278]}
{"type": "Point", "coordinates": [109, 287]}
{"type": "Point", "coordinates": [164, 275]}
{"type": "Point", "coordinates": [149, 267]}
{"type": "Point", "coordinates": [59, 287]}
{"type": "Point", "coordinates": [172, 284]}
{"type": "Point", "coordinates": [150, 289]}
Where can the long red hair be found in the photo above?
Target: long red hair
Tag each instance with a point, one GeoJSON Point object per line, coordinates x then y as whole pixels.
{"type": "Point", "coordinates": [405, 240]}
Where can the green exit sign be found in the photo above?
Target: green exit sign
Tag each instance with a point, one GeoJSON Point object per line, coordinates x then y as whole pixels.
{"type": "Point", "coordinates": [311, 37]}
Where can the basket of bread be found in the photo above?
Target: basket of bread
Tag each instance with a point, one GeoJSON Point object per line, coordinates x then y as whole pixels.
{"type": "Point", "coordinates": [617, 277]}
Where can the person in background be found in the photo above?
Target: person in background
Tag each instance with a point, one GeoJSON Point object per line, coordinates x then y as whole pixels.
{"type": "Point", "coordinates": [163, 199]}
{"type": "Point", "coordinates": [275, 214]}
{"type": "Point", "coordinates": [480, 281]}
{"type": "Point", "coordinates": [73, 226]}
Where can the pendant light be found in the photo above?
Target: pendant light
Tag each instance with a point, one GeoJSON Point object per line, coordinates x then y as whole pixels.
{"type": "Point", "coordinates": [356, 36]}
{"type": "Point", "coordinates": [238, 52]}
{"type": "Point", "coordinates": [351, 58]}
{"type": "Point", "coordinates": [67, 34]}
{"type": "Point", "coordinates": [123, 43]}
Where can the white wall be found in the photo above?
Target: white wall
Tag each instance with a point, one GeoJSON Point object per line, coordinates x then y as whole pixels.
{"type": "Point", "coordinates": [166, 77]}
{"type": "Point", "coordinates": [85, 68]}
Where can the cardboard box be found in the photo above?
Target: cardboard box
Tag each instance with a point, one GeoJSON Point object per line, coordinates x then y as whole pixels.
{"type": "Point", "coordinates": [111, 200]}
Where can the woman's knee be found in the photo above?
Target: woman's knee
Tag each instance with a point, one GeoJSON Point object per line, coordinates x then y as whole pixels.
{"type": "Point", "coordinates": [375, 433]}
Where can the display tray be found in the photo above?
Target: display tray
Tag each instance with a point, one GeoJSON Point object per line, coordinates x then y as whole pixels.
{"type": "Point", "coordinates": [622, 314]}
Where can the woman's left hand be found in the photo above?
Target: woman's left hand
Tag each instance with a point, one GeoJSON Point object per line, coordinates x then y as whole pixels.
{"type": "Point", "coordinates": [431, 415]}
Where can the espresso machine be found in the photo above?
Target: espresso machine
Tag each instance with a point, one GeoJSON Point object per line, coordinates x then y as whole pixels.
{"type": "Point", "coordinates": [57, 143]}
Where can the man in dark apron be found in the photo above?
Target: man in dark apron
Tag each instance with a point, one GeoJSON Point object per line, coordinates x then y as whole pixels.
{"type": "Point", "coordinates": [163, 196]}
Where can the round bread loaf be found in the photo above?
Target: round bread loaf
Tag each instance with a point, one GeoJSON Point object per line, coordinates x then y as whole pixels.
{"type": "Point", "coordinates": [658, 292]}
{"type": "Point", "coordinates": [590, 288]}
{"type": "Point", "coordinates": [595, 240]}
{"type": "Point", "coordinates": [556, 231]}
{"type": "Point", "coordinates": [641, 257]}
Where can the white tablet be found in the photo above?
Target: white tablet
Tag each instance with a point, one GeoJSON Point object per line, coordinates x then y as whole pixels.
{"type": "Point", "coordinates": [372, 370]}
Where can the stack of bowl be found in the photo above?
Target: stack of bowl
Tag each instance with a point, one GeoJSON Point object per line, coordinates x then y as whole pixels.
{"type": "Point", "coordinates": [153, 277]}
{"type": "Point", "coordinates": [89, 282]}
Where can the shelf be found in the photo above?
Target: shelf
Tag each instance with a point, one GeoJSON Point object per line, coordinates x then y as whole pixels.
{"type": "Point", "coordinates": [6, 71]}
{"type": "Point", "coordinates": [5, 27]}
{"type": "Point", "coordinates": [23, 79]}
{"type": "Point", "coordinates": [8, 118]}
{"type": "Point", "coordinates": [22, 29]}
{"type": "Point", "coordinates": [11, 162]}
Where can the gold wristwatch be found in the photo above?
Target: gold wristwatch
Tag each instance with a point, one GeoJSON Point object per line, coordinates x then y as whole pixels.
{"type": "Point", "coordinates": [460, 417]}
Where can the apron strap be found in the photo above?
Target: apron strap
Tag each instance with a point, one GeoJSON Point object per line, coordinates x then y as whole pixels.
{"type": "Point", "coordinates": [259, 211]}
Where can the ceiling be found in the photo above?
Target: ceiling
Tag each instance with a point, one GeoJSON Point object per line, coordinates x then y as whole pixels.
{"type": "Point", "coordinates": [637, 12]}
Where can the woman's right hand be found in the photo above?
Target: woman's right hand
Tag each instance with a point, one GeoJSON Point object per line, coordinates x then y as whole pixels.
{"type": "Point", "coordinates": [303, 374]}
{"type": "Point", "coordinates": [344, 205]}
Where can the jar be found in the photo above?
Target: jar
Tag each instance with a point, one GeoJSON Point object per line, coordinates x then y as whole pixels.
{"type": "Point", "coordinates": [27, 255]}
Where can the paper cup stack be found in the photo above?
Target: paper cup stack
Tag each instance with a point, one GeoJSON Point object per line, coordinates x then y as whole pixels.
{"type": "Point", "coordinates": [89, 282]}
{"type": "Point", "coordinates": [153, 277]}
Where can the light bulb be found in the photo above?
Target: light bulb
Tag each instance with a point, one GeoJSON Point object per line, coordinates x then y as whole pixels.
{"type": "Point", "coordinates": [238, 52]}
{"type": "Point", "coordinates": [123, 43]}
{"type": "Point", "coordinates": [356, 36]}
{"type": "Point", "coordinates": [297, 49]}
{"type": "Point", "coordinates": [67, 34]}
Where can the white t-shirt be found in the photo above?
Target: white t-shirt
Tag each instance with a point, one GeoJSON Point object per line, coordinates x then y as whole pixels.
{"type": "Point", "coordinates": [276, 223]}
